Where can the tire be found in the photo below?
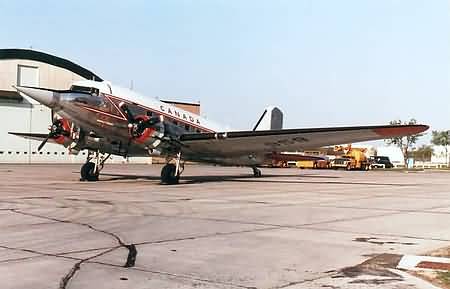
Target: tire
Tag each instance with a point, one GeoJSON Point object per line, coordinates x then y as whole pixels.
{"type": "Point", "coordinates": [349, 167]}
{"type": "Point", "coordinates": [88, 172]}
{"type": "Point", "coordinates": [257, 173]}
{"type": "Point", "coordinates": [168, 176]}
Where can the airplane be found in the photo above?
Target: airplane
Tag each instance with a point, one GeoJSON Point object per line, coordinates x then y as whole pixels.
{"type": "Point", "coordinates": [107, 120]}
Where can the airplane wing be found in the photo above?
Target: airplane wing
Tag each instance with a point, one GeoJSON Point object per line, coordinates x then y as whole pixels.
{"type": "Point", "coordinates": [228, 144]}
{"type": "Point", "coordinates": [32, 136]}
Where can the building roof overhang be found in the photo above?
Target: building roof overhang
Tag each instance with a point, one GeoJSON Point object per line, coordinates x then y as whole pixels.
{"type": "Point", "coordinates": [28, 54]}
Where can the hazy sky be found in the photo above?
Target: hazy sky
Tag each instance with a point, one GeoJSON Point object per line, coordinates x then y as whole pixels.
{"type": "Point", "coordinates": [322, 62]}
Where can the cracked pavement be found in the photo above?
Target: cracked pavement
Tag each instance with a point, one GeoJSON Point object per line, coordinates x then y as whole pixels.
{"type": "Point", "coordinates": [220, 228]}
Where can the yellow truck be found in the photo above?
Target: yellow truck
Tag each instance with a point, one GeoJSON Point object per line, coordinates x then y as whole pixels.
{"type": "Point", "coordinates": [312, 164]}
{"type": "Point", "coordinates": [353, 159]}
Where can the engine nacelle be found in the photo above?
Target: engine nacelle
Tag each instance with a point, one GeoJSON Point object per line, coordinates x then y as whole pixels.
{"type": "Point", "coordinates": [150, 136]}
{"type": "Point", "coordinates": [62, 126]}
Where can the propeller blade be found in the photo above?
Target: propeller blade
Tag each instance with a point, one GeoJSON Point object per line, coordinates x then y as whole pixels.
{"type": "Point", "coordinates": [56, 129]}
{"type": "Point", "coordinates": [44, 141]}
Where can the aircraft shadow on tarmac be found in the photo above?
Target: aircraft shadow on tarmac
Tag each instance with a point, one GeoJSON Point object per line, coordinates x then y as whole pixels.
{"type": "Point", "coordinates": [267, 178]}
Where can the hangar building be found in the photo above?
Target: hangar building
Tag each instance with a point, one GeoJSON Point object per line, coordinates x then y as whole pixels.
{"type": "Point", "coordinates": [33, 68]}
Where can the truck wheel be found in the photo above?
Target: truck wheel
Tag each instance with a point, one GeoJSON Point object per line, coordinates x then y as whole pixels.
{"type": "Point", "coordinates": [349, 167]}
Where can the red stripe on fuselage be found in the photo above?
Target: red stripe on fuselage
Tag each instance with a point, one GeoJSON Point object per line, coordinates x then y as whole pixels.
{"type": "Point", "coordinates": [162, 113]}
{"type": "Point", "coordinates": [101, 112]}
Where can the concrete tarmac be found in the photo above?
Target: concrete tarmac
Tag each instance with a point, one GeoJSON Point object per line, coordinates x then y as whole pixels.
{"type": "Point", "coordinates": [219, 228]}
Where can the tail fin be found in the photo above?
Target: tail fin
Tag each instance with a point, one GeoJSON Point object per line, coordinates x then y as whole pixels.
{"type": "Point", "coordinates": [271, 119]}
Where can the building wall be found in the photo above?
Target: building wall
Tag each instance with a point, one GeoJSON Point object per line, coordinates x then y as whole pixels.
{"type": "Point", "coordinates": [24, 116]}
{"type": "Point", "coordinates": [49, 76]}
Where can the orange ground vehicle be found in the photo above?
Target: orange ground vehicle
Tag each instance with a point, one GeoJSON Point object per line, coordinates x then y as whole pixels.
{"type": "Point", "coordinates": [284, 160]}
{"type": "Point", "coordinates": [313, 164]}
{"type": "Point", "coordinates": [353, 159]}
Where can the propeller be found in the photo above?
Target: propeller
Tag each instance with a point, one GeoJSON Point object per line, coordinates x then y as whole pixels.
{"type": "Point", "coordinates": [138, 124]}
{"type": "Point", "coordinates": [56, 130]}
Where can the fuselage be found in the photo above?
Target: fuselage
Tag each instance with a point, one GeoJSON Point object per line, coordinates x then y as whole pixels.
{"type": "Point", "coordinates": [94, 109]}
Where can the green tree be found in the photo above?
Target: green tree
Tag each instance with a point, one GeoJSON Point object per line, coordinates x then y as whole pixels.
{"type": "Point", "coordinates": [405, 143]}
{"type": "Point", "coordinates": [423, 153]}
{"type": "Point", "coordinates": [441, 138]}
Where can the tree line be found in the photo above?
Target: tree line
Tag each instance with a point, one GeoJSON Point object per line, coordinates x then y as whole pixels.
{"type": "Point", "coordinates": [424, 152]}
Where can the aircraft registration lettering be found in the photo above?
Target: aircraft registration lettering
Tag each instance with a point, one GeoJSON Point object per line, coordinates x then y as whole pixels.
{"type": "Point", "coordinates": [176, 113]}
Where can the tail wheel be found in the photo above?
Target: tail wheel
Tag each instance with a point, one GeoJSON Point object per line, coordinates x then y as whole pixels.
{"type": "Point", "coordinates": [88, 172]}
{"type": "Point", "coordinates": [168, 175]}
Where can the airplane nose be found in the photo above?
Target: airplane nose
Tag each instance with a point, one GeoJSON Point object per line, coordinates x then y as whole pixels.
{"type": "Point", "coordinates": [46, 97]}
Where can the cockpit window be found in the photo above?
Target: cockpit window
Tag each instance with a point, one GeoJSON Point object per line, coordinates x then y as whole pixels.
{"type": "Point", "coordinates": [85, 89]}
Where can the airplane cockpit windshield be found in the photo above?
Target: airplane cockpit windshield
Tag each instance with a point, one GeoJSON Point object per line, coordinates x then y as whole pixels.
{"type": "Point", "coordinates": [84, 89]}
{"type": "Point", "coordinates": [85, 95]}
{"type": "Point", "coordinates": [91, 96]}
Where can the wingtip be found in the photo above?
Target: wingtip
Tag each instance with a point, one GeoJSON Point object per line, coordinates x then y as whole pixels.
{"type": "Point", "coordinates": [401, 130]}
{"type": "Point", "coordinates": [425, 127]}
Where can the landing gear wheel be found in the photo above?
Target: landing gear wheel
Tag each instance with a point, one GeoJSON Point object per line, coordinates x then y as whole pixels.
{"type": "Point", "coordinates": [168, 175]}
{"type": "Point", "coordinates": [257, 173]}
{"type": "Point", "coordinates": [88, 172]}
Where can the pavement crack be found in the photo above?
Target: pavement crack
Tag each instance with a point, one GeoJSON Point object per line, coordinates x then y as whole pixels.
{"type": "Point", "coordinates": [131, 259]}
{"type": "Point", "coordinates": [132, 252]}
{"type": "Point", "coordinates": [69, 276]}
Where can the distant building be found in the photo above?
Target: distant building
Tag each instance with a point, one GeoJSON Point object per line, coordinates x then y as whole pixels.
{"type": "Point", "coordinates": [439, 156]}
{"type": "Point", "coordinates": [191, 107]}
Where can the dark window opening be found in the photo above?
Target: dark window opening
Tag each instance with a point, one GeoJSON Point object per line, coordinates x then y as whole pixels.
{"type": "Point", "coordinates": [85, 89]}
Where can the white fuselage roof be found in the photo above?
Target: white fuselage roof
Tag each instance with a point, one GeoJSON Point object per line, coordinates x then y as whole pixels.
{"type": "Point", "coordinates": [151, 102]}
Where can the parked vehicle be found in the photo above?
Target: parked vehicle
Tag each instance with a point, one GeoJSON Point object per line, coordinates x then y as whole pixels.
{"type": "Point", "coordinates": [353, 159]}
{"type": "Point", "coordinates": [313, 164]}
{"type": "Point", "coordinates": [380, 162]}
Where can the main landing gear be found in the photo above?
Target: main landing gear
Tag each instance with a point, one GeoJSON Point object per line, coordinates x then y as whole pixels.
{"type": "Point", "coordinates": [256, 172]}
{"type": "Point", "coordinates": [94, 164]}
{"type": "Point", "coordinates": [170, 173]}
